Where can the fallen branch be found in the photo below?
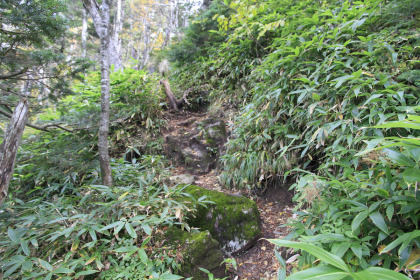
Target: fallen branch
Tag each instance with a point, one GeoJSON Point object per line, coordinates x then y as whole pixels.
{"type": "Point", "coordinates": [37, 127]}
{"type": "Point", "coordinates": [173, 102]}
{"type": "Point", "coordinates": [12, 75]}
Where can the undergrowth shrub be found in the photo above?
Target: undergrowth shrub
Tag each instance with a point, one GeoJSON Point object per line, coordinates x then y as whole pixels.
{"type": "Point", "coordinates": [110, 232]}
{"type": "Point", "coordinates": [332, 71]}
{"type": "Point", "coordinates": [329, 77]}
{"type": "Point", "coordinates": [63, 159]}
{"type": "Point", "coordinates": [367, 217]}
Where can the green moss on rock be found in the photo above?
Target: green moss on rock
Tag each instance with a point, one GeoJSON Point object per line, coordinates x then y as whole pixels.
{"type": "Point", "coordinates": [199, 250]}
{"type": "Point", "coordinates": [233, 221]}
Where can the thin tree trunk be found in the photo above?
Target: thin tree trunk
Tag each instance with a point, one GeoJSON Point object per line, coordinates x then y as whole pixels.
{"type": "Point", "coordinates": [146, 50]}
{"type": "Point", "coordinates": [10, 145]}
{"type": "Point", "coordinates": [116, 42]}
{"type": "Point", "coordinates": [104, 159]}
{"type": "Point", "coordinates": [84, 32]}
{"type": "Point", "coordinates": [95, 12]}
{"type": "Point", "coordinates": [101, 20]}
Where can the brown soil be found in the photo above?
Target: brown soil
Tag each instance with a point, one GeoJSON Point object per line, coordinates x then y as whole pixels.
{"type": "Point", "coordinates": [275, 206]}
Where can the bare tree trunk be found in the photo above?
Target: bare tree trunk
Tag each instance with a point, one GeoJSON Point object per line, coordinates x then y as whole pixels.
{"type": "Point", "coordinates": [101, 21]}
{"type": "Point", "coordinates": [84, 32]}
{"type": "Point", "coordinates": [146, 50]}
{"type": "Point", "coordinates": [104, 159]}
{"type": "Point", "coordinates": [10, 145]}
{"type": "Point", "coordinates": [116, 42]}
{"type": "Point", "coordinates": [95, 12]}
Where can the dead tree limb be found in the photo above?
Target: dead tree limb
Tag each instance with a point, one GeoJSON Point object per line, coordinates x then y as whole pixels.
{"type": "Point", "coordinates": [10, 145]}
{"type": "Point", "coordinates": [12, 75]}
{"type": "Point", "coordinates": [173, 102]}
{"type": "Point", "coordinates": [37, 127]}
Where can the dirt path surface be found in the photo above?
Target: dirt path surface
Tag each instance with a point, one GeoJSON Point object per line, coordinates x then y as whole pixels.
{"type": "Point", "coordinates": [274, 205]}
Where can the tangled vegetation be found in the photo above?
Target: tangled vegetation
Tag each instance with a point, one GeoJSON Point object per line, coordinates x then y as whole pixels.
{"type": "Point", "coordinates": [327, 94]}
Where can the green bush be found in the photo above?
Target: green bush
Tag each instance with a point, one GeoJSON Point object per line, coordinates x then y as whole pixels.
{"type": "Point", "coordinates": [106, 231]}
{"type": "Point", "coordinates": [61, 159]}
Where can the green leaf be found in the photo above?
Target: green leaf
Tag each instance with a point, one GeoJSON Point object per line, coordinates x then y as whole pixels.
{"type": "Point", "coordinates": [399, 158]}
{"type": "Point", "coordinates": [357, 250]}
{"type": "Point", "coordinates": [378, 273]}
{"type": "Point", "coordinates": [63, 270]}
{"type": "Point", "coordinates": [11, 270]}
{"type": "Point", "coordinates": [25, 248]}
{"type": "Point", "coordinates": [143, 256]}
{"type": "Point", "coordinates": [411, 175]}
{"type": "Point", "coordinates": [412, 207]}
{"type": "Point", "coordinates": [86, 272]}
{"type": "Point", "coordinates": [358, 220]}
{"type": "Point", "coordinates": [147, 229]}
{"type": "Point", "coordinates": [111, 225]}
{"type": "Point", "coordinates": [131, 230]}
{"type": "Point", "coordinates": [403, 238]}
{"type": "Point", "coordinates": [147, 240]}
{"type": "Point", "coordinates": [379, 221]}
{"type": "Point", "coordinates": [45, 265]}
{"type": "Point", "coordinates": [341, 80]}
{"type": "Point", "coordinates": [341, 249]}
{"type": "Point", "coordinates": [402, 124]}
{"type": "Point", "coordinates": [372, 97]}
{"type": "Point", "coordinates": [168, 276]}
{"type": "Point", "coordinates": [313, 250]}
{"type": "Point", "coordinates": [13, 236]}
{"type": "Point", "coordinates": [126, 249]}
{"type": "Point", "coordinates": [319, 272]}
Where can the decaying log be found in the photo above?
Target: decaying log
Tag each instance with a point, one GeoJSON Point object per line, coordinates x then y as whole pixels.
{"type": "Point", "coordinates": [173, 102]}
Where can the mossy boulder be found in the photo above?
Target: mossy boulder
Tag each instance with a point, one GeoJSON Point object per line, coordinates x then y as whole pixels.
{"type": "Point", "coordinates": [199, 250]}
{"type": "Point", "coordinates": [197, 147]}
{"type": "Point", "coordinates": [234, 221]}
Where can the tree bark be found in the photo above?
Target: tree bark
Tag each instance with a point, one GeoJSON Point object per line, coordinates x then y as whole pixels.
{"type": "Point", "coordinates": [10, 145]}
{"type": "Point", "coordinates": [116, 45]}
{"type": "Point", "coordinates": [84, 32]}
{"type": "Point", "coordinates": [146, 50]}
{"type": "Point", "coordinates": [104, 159]}
{"type": "Point", "coordinates": [101, 21]}
{"type": "Point", "coordinates": [95, 12]}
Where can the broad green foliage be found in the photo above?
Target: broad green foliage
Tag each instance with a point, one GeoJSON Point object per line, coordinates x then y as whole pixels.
{"type": "Point", "coordinates": [134, 95]}
{"type": "Point", "coordinates": [61, 160]}
{"type": "Point", "coordinates": [329, 75]}
{"type": "Point", "coordinates": [97, 228]}
{"type": "Point", "coordinates": [328, 93]}
{"type": "Point", "coordinates": [336, 268]}
{"type": "Point", "coordinates": [367, 217]}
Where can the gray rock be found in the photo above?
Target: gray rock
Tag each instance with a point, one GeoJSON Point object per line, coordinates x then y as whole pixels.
{"type": "Point", "coordinates": [234, 221]}
{"type": "Point", "coordinates": [182, 179]}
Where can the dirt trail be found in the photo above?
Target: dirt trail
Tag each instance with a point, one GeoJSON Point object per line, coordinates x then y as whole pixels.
{"type": "Point", "coordinates": [275, 206]}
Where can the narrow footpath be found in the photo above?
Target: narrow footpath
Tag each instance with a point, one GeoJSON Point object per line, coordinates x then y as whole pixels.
{"type": "Point", "coordinates": [275, 207]}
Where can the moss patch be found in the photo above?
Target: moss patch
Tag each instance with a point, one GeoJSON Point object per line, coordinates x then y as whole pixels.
{"type": "Point", "coordinates": [233, 221]}
{"type": "Point", "coordinates": [199, 250]}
